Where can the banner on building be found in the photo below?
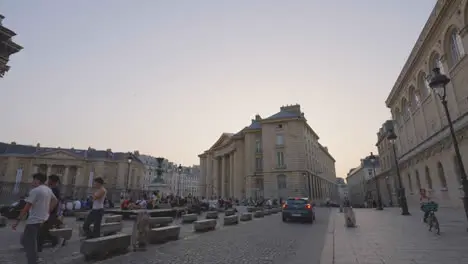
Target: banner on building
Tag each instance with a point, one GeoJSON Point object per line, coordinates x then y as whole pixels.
{"type": "Point", "coordinates": [19, 177]}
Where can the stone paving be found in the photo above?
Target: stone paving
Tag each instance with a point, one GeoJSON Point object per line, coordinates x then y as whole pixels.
{"type": "Point", "coordinates": [386, 237]}
{"type": "Point", "coordinates": [264, 240]}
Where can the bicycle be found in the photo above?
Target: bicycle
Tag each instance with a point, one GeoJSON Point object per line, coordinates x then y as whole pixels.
{"type": "Point", "coordinates": [430, 208]}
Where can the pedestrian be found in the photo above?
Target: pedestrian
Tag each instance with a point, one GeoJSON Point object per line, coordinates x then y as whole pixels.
{"type": "Point", "coordinates": [39, 204]}
{"type": "Point", "coordinates": [95, 216]}
{"type": "Point", "coordinates": [52, 221]}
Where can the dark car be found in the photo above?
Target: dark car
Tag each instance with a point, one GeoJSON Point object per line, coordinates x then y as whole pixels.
{"type": "Point", "coordinates": [298, 209]}
{"type": "Point", "coordinates": [13, 210]}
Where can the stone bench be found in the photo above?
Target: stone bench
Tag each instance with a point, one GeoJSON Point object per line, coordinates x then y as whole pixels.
{"type": "Point", "coordinates": [113, 218]}
{"type": "Point", "coordinates": [267, 212]}
{"type": "Point", "coordinates": [64, 233]}
{"type": "Point", "coordinates": [251, 209]}
{"type": "Point", "coordinates": [230, 212]}
{"type": "Point", "coordinates": [3, 221]}
{"type": "Point", "coordinates": [246, 217]}
{"type": "Point", "coordinates": [275, 210]}
{"type": "Point", "coordinates": [204, 225]}
{"type": "Point", "coordinates": [212, 215]}
{"type": "Point", "coordinates": [231, 220]}
{"type": "Point", "coordinates": [97, 248]}
{"type": "Point", "coordinates": [160, 221]}
{"type": "Point", "coordinates": [106, 229]}
{"type": "Point", "coordinates": [81, 216]}
{"type": "Point", "coordinates": [189, 218]}
{"type": "Point", "coordinates": [163, 234]}
{"type": "Point", "coordinates": [258, 214]}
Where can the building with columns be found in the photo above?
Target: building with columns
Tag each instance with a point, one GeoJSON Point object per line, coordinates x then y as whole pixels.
{"type": "Point", "coordinates": [7, 47]}
{"type": "Point", "coordinates": [425, 150]}
{"type": "Point", "coordinates": [273, 157]}
{"type": "Point", "coordinates": [76, 168]}
{"type": "Point", "coordinates": [361, 187]}
{"type": "Point", "coordinates": [387, 177]}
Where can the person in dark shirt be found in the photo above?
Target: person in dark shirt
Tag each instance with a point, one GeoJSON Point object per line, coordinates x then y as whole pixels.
{"type": "Point", "coordinates": [53, 221]}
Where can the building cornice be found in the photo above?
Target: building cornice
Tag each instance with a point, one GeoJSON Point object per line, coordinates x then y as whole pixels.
{"type": "Point", "coordinates": [418, 49]}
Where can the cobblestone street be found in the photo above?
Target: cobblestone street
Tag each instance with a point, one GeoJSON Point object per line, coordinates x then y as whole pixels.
{"type": "Point", "coordinates": [264, 240]}
{"type": "Point", "coordinates": [387, 237]}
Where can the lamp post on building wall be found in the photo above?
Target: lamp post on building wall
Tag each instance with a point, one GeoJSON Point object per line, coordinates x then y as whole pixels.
{"type": "Point", "coordinates": [127, 182]}
{"type": "Point", "coordinates": [179, 173]}
{"type": "Point", "coordinates": [401, 193]}
{"type": "Point", "coordinates": [373, 160]}
{"type": "Point", "coordinates": [438, 83]}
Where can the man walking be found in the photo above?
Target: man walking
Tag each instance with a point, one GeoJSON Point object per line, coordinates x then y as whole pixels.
{"type": "Point", "coordinates": [95, 216]}
{"type": "Point", "coordinates": [39, 204]}
{"type": "Point", "coordinates": [53, 217]}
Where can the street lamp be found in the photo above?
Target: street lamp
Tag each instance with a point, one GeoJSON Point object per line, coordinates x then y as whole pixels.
{"type": "Point", "coordinates": [127, 182]}
{"type": "Point", "coordinates": [373, 160]}
{"type": "Point", "coordinates": [401, 192]}
{"type": "Point", "coordinates": [308, 184]}
{"type": "Point", "coordinates": [179, 172]}
{"type": "Point", "coordinates": [438, 83]}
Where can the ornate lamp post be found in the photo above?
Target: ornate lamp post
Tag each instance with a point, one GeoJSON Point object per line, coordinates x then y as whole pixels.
{"type": "Point", "coordinates": [127, 182]}
{"type": "Point", "coordinates": [179, 173]}
{"type": "Point", "coordinates": [373, 160]}
{"type": "Point", "coordinates": [401, 192]}
{"type": "Point", "coordinates": [438, 83]}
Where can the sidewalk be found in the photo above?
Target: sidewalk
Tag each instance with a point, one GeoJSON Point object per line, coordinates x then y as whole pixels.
{"type": "Point", "coordinates": [386, 237]}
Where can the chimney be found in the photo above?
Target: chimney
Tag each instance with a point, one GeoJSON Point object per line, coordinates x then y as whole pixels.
{"type": "Point", "coordinates": [292, 109]}
{"type": "Point", "coordinates": [258, 117]}
{"type": "Point", "coordinates": [136, 153]}
{"type": "Point", "coordinates": [13, 143]}
{"type": "Point", "coordinates": [109, 150]}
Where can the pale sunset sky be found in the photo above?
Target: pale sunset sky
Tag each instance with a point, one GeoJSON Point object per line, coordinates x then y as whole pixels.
{"type": "Point", "coordinates": [168, 77]}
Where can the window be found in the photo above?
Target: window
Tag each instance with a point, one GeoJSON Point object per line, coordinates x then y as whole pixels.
{"type": "Point", "coordinates": [258, 146]}
{"type": "Point", "coordinates": [370, 171]}
{"type": "Point", "coordinates": [281, 181]}
{"type": "Point", "coordinates": [279, 140]}
{"type": "Point", "coordinates": [280, 159]}
{"type": "Point", "coordinates": [280, 126]}
{"type": "Point", "coordinates": [258, 163]}
{"type": "Point", "coordinates": [456, 47]}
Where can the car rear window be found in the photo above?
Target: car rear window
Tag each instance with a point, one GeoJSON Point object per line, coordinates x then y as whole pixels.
{"type": "Point", "coordinates": [298, 201]}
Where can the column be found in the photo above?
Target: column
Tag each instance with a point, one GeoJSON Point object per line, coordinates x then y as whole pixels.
{"type": "Point", "coordinates": [49, 170]}
{"type": "Point", "coordinates": [202, 181]}
{"type": "Point", "coordinates": [215, 177]}
{"type": "Point", "coordinates": [65, 176]}
{"type": "Point", "coordinates": [232, 176]}
{"type": "Point", "coordinates": [223, 176]}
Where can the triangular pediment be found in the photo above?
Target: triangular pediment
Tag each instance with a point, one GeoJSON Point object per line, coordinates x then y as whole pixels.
{"type": "Point", "coordinates": [223, 139]}
{"type": "Point", "coordinates": [59, 154]}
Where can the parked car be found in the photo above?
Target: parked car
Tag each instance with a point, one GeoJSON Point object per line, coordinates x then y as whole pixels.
{"type": "Point", "coordinates": [298, 209]}
{"type": "Point", "coordinates": [13, 210]}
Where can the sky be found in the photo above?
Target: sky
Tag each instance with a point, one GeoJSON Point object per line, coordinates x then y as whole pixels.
{"type": "Point", "coordinates": [167, 78]}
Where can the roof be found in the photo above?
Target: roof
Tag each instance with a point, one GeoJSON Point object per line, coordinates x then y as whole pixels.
{"type": "Point", "coordinates": [284, 114]}
{"type": "Point", "coordinates": [8, 149]}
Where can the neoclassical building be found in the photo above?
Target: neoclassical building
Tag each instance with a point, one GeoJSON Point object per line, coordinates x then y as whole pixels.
{"type": "Point", "coordinates": [361, 182]}
{"type": "Point", "coordinates": [387, 177]}
{"type": "Point", "coordinates": [273, 157]}
{"type": "Point", "coordinates": [425, 151]}
{"type": "Point", "coordinates": [7, 47]}
{"type": "Point", "coordinates": [76, 168]}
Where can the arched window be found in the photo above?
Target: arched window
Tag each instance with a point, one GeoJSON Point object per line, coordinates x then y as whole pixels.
{"type": "Point", "coordinates": [441, 174]}
{"type": "Point", "coordinates": [428, 179]}
{"type": "Point", "coordinates": [405, 108]}
{"type": "Point", "coordinates": [418, 180]}
{"type": "Point", "coordinates": [410, 183]}
{"type": "Point", "coordinates": [423, 84]}
{"type": "Point", "coordinates": [455, 47]}
{"type": "Point", "coordinates": [457, 170]}
{"type": "Point", "coordinates": [435, 63]}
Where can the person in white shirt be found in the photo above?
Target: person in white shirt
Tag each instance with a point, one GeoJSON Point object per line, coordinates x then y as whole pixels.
{"type": "Point", "coordinates": [39, 204]}
{"type": "Point", "coordinates": [77, 205]}
{"type": "Point", "coordinates": [95, 216]}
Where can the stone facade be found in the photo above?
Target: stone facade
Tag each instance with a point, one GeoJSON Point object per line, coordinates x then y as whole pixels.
{"type": "Point", "coordinates": [425, 153]}
{"type": "Point", "coordinates": [360, 181]}
{"type": "Point", "coordinates": [7, 47]}
{"type": "Point", "coordinates": [75, 167]}
{"type": "Point", "coordinates": [274, 157]}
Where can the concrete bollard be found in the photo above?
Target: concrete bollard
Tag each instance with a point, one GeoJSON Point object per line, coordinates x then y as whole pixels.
{"type": "Point", "coordinates": [189, 218]}
{"type": "Point", "coordinates": [113, 218]}
{"type": "Point", "coordinates": [3, 221]}
{"type": "Point", "coordinates": [97, 248]}
{"type": "Point", "coordinates": [211, 215]}
{"type": "Point", "coordinates": [231, 220]}
{"type": "Point", "coordinates": [246, 217]}
{"type": "Point", "coordinates": [229, 212]}
{"type": "Point", "coordinates": [204, 225]}
{"type": "Point", "coordinates": [259, 214]}
{"type": "Point", "coordinates": [163, 234]}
